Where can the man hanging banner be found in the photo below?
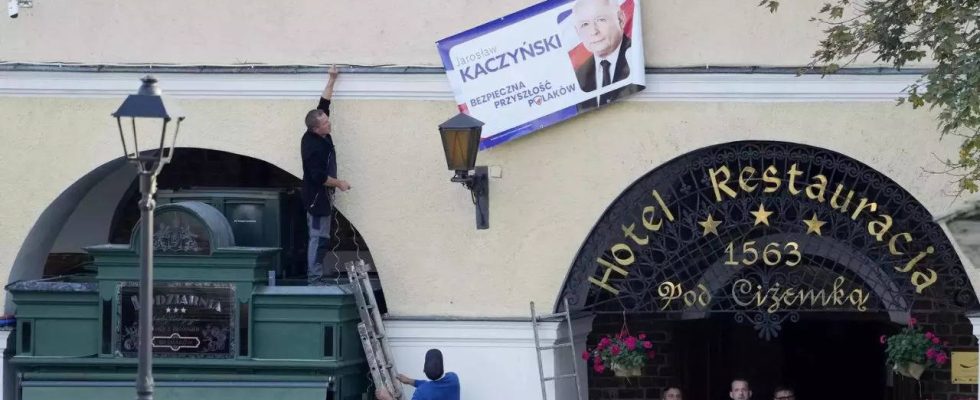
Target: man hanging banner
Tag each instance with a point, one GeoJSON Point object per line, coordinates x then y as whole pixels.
{"type": "Point", "coordinates": [545, 64]}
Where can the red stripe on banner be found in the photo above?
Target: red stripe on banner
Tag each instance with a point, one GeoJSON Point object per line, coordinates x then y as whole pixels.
{"type": "Point", "coordinates": [578, 55]}
{"type": "Point", "coordinates": [628, 8]}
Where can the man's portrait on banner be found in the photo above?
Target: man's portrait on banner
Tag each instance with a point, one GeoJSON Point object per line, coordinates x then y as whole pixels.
{"type": "Point", "coordinates": [604, 28]}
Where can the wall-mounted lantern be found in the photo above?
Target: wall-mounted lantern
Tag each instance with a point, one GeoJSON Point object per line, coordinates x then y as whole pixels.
{"type": "Point", "coordinates": [461, 142]}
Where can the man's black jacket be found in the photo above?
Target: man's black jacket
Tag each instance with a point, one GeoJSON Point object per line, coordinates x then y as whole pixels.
{"type": "Point", "coordinates": [319, 162]}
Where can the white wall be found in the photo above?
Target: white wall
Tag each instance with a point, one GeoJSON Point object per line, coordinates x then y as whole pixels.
{"type": "Point", "coordinates": [494, 359]}
{"type": "Point", "coordinates": [89, 224]}
{"type": "Point", "coordinates": [420, 227]}
{"type": "Point", "coordinates": [377, 32]}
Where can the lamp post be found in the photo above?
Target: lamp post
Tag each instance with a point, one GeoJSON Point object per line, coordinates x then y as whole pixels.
{"type": "Point", "coordinates": [461, 142]}
{"type": "Point", "coordinates": [146, 108]}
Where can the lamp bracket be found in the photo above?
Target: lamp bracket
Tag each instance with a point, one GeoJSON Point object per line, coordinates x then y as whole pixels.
{"type": "Point", "coordinates": [479, 186]}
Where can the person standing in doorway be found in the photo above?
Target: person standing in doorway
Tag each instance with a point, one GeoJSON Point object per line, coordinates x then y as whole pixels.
{"type": "Point", "coordinates": [320, 181]}
{"type": "Point", "coordinates": [740, 390]}
{"type": "Point", "coordinates": [672, 393]}
{"type": "Point", "coordinates": [783, 393]}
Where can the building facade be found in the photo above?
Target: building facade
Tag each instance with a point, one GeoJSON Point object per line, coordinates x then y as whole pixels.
{"type": "Point", "coordinates": [721, 94]}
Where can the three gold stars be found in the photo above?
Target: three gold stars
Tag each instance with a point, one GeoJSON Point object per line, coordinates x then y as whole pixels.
{"type": "Point", "coordinates": [813, 225]}
{"type": "Point", "coordinates": [709, 225]}
{"type": "Point", "coordinates": [761, 216]}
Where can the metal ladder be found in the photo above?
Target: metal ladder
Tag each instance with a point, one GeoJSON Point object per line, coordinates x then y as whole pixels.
{"type": "Point", "coordinates": [372, 331]}
{"type": "Point", "coordinates": [562, 316]}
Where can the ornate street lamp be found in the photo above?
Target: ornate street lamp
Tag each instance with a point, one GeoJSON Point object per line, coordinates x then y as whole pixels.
{"type": "Point", "coordinates": [148, 109]}
{"type": "Point", "coordinates": [461, 142]}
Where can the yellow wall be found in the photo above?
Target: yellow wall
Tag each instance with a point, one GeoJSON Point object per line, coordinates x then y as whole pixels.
{"type": "Point", "coordinates": [419, 226]}
{"type": "Point", "coordinates": [376, 32]}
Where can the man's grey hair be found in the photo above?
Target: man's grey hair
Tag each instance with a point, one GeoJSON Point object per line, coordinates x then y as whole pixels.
{"type": "Point", "coordinates": [313, 118]}
{"type": "Point", "coordinates": [740, 379]}
{"type": "Point", "coordinates": [607, 3]}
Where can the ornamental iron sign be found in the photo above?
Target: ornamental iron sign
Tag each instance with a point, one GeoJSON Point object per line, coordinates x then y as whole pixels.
{"type": "Point", "coordinates": [178, 232]}
{"type": "Point", "coordinates": [766, 231]}
{"type": "Point", "coordinates": [190, 319]}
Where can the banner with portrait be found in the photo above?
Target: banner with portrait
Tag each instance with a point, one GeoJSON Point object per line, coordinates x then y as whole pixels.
{"type": "Point", "coordinates": [545, 64]}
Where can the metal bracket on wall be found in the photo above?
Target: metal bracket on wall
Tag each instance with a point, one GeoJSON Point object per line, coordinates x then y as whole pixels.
{"type": "Point", "coordinates": [25, 3]}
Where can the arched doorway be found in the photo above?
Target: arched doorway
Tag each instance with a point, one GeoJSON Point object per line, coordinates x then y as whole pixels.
{"type": "Point", "coordinates": [777, 262]}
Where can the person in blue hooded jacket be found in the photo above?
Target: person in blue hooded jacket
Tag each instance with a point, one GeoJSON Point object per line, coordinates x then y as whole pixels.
{"type": "Point", "coordinates": [441, 386]}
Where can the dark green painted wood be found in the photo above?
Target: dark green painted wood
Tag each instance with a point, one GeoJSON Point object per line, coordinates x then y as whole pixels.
{"type": "Point", "coordinates": [284, 325]}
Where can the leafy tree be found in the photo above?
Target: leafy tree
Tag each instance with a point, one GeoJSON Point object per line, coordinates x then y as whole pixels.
{"type": "Point", "coordinates": [897, 32]}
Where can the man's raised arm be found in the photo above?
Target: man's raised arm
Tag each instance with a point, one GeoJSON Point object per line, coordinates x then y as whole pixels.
{"type": "Point", "coordinates": [328, 90]}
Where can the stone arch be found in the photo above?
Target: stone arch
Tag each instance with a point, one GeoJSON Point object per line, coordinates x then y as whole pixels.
{"type": "Point", "coordinates": [31, 258]}
{"type": "Point", "coordinates": [881, 241]}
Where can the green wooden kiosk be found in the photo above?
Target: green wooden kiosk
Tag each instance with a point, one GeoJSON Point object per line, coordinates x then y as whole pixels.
{"type": "Point", "coordinates": [220, 331]}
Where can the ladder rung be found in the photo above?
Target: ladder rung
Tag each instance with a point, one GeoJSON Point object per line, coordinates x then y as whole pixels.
{"type": "Point", "coordinates": [556, 346]}
{"type": "Point", "coordinates": [551, 378]}
{"type": "Point", "coordinates": [551, 316]}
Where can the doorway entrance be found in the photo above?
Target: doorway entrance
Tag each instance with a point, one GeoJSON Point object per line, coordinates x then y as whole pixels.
{"type": "Point", "coordinates": [777, 262]}
{"type": "Point", "coordinates": [819, 357]}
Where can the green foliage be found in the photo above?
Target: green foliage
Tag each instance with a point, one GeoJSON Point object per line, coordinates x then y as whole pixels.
{"type": "Point", "coordinates": [772, 4]}
{"type": "Point", "coordinates": [911, 345]}
{"type": "Point", "coordinates": [898, 32]}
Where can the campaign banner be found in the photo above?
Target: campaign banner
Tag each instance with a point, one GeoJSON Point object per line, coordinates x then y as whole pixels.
{"type": "Point", "coordinates": [545, 64]}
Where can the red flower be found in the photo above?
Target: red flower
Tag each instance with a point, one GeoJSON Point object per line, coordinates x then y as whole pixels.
{"type": "Point", "coordinates": [935, 340]}
{"type": "Point", "coordinates": [631, 343]}
{"type": "Point", "coordinates": [883, 339]}
{"type": "Point", "coordinates": [941, 358]}
{"type": "Point", "coordinates": [604, 342]}
{"type": "Point", "coordinates": [642, 336]}
{"type": "Point", "coordinates": [912, 321]}
{"type": "Point", "coordinates": [647, 345]}
{"type": "Point", "coordinates": [614, 350]}
{"type": "Point", "coordinates": [931, 353]}
{"type": "Point", "coordinates": [599, 368]}
{"type": "Point", "coordinates": [585, 355]}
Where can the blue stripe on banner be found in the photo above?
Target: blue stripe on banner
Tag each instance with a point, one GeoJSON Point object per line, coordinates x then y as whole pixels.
{"type": "Point", "coordinates": [448, 43]}
{"type": "Point", "coordinates": [524, 129]}
{"type": "Point", "coordinates": [562, 16]}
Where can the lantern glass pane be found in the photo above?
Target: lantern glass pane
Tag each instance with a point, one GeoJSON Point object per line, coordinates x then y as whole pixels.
{"type": "Point", "coordinates": [456, 144]}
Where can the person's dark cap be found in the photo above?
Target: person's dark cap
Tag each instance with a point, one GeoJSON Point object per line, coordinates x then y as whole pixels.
{"type": "Point", "coordinates": [433, 364]}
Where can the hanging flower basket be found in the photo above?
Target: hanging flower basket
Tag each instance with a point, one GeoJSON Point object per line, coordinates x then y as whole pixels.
{"type": "Point", "coordinates": [625, 354]}
{"type": "Point", "coordinates": [911, 370]}
{"type": "Point", "coordinates": [912, 351]}
{"type": "Point", "coordinates": [625, 372]}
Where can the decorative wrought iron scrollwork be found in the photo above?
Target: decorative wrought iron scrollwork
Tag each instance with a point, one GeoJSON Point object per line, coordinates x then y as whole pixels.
{"type": "Point", "coordinates": [846, 237]}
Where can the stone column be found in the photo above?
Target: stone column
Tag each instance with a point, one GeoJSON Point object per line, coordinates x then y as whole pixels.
{"type": "Point", "coordinates": [565, 361]}
{"type": "Point", "coordinates": [974, 318]}
{"type": "Point", "coordinates": [6, 373]}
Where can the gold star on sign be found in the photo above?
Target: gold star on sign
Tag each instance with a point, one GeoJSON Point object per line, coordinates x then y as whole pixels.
{"type": "Point", "coordinates": [710, 226]}
{"type": "Point", "coordinates": [761, 216]}
{"type": "Point", "coordinates": [813, 225]}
